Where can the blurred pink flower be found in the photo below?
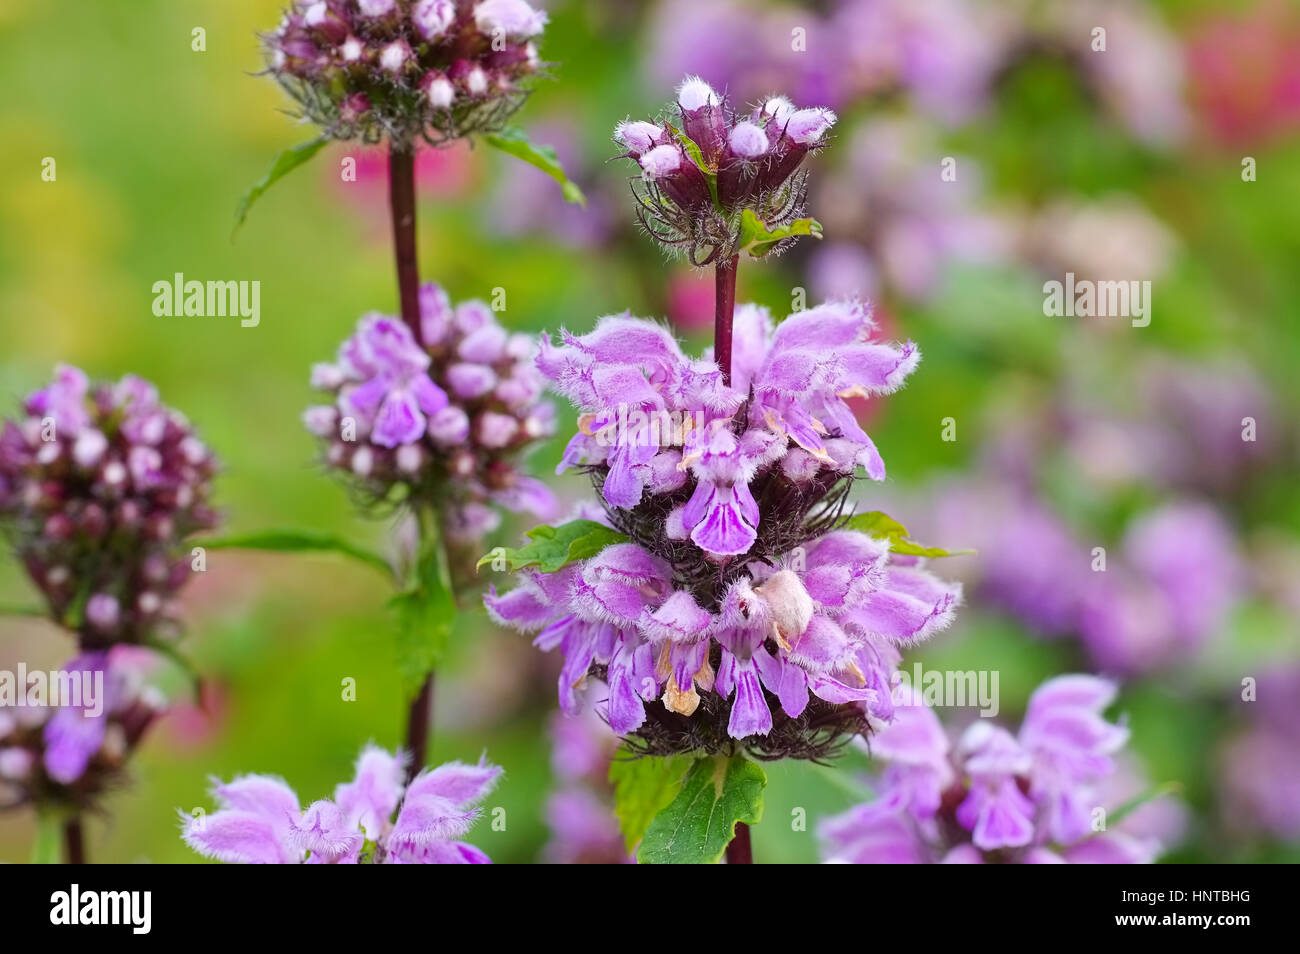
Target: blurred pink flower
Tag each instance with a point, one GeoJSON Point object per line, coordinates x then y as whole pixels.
{"type": "Point", "coordinates": [1245, 74]}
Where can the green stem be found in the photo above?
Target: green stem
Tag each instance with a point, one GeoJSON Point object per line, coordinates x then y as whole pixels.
{"type": "Point", "coordinates": [419, 717]}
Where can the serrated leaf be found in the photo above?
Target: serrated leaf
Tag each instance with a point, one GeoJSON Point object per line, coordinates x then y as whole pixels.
{"type": "Point", "coordinates": [882, 526]}
{"type": "Point", "coordinates": [426, 611]}
{"type": "Point", "coordinates": [299, 541]}
{"type": "Point", "coordinates": [284, 164]}
{"type": "Point", "coordinates": [515, 142]}
{"type": "Point", "coordinates": [700, 822]}
{"type": "Point", "coordinates": [758, 240]}
{"type": "Point", "coordinates": [643, 787]}
{"type": "Point", "coordinates": [552, 548]}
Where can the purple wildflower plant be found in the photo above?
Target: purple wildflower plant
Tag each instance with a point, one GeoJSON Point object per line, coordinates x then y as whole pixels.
{"type": "Point", "coordinates": [66, 757]}
{"type": "Point", "coordinates": [406, 70]}
{"type": "Point", "coordinates": [742, 608]}
{"type": "Point", "coordinates": [441, 423]}
{"type": "Point", "coordinates": [374, 819]}
{"type": "Point", "coordinates": [714, 181]}
{"type": "Point", "coordinates": [101, 485]}
{"type": "Point", "coordinates": [1034, 797]}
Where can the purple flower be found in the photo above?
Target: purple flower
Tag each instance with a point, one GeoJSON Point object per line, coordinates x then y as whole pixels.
{"type": "Point", "coordinates": [580, 810]}
{"type": "Point", "coordinates": [100, 488]}
{"type": "Point", "coordinates": [1181, 574]}
{"type": "Point", "coordinates": [641, 395]}
{"type": "Point", "coordinates": [372, 819]}
{"type": "Point", "coordinates": [829, 630]}
{"type": "Point", "coordinates": [897, 224]}
{"type": "Point", "coordinates": [449, 417]}
{"type": "Point", "coordinates": [75, 752]}
{"type": "Point", "coordinates": [697, 182]}
{"type": "Point", "coordinates": [1260, 764]}
{"type": "Point", "coordinates": [416, 69]}
{"type": "Point", "coordinates": [1030, 798]}
{"type": "Point", "coordinates": [738, 597]}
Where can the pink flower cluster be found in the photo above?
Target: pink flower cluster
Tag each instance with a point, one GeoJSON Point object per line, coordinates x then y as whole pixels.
{"type": "Point", "coordinates": [406, 69]}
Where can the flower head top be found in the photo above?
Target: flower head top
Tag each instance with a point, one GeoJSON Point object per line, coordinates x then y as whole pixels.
{"type": "Point", "coordinates": [740, 605]}
{"type": "Point", "coordinates": [444, 420]}
{"type": "Point", "coordinates": [663, 434]}
{"type": "Point", "coordinates": [100, 485]}
{"type": "Point", "coordinates": [69, 755]}
{"type": "Point", "coordinates": [373, 819]}
{"type": "Point", "coordinates": [1030, 797]}
{"type": "Point", "coordinates": [722, 182]}
{"type": "Point", "coordinates": [406, 69]}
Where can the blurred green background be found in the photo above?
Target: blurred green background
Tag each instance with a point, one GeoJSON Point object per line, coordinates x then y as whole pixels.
{"type": "Point", "coordinates": [155, 143]}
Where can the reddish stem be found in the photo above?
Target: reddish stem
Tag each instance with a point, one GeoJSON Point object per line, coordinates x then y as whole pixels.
{"type": "Point", "coordinates": [419, 725]}
{"type": "Point", "coordinates": [740, 851]}
{"type": "Point", "coordinates": [401, 200]}
{"type": "Point", "coordinates": [74, 841]}
{"type": "Point", "coordinates": [723, 313]}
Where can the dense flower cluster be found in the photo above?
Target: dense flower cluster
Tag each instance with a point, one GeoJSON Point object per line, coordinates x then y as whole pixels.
{"type": "Point", "coordinates": [444, 421]}
{"type": "Point", "coordinates": [406, 69]}
{"type": "Point", "coordinates": [739, 599]}
{"type": "Point", "coordinates": [100, 485]}
{"type": "Point", "coordinates": [260, 821]}
{"type": "Point", "coordinates": [67, 756]}
{"type": "Point", "coordinates": [699, 178]}
{"type": "Point", "coordinates": [1032, 798]}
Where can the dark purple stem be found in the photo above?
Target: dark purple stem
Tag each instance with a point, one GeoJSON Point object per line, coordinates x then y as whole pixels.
{"type": "Point", "coordinates": [74, 841]}
{"type": "Point", "coordinates": [723, 312]}
{"type": "Point", "coordinates": [740, 851]}
{"type": "Point", "coordinates": [401, 200]}
{"type": "Point", "coordinates": [419, 725]}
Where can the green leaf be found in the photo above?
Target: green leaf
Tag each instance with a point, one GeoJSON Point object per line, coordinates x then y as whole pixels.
{"type": "Point", "coordinates": [22, 609]}
{"type": "Point", "coordinates": [47, 849]}
{"type": "Point", "coordinates": [643, 787]}
{"type": "Point", "coordinates": [700, 822]}
{"type": "Point", "coordinates": [284, 164]}
{"type": "Point", "coordinates": [515, 142]}
{"type": "Point", "coordinates": [758, 240]}
{"type": "Point", "coordinates": [552, 548]}
{"type": "Point", "coordinates": [882, 526]}
{"type": "Point", "coordinates": [299, 541]}
{"type": "Point", "coordinates": [1137, 801]}
{"type": "Point", "coordinates": [426, 609]}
